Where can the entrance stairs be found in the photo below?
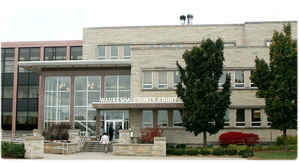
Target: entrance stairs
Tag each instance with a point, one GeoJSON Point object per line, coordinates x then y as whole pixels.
{"type": "Point", "coordinates": [95, 146]}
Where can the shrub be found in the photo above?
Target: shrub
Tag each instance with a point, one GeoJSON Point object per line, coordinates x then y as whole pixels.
{"type": "Point", "coordinates": [232, 149]}
{"type": "Point", "coordinates": [290, 140]}
{"type": "Point", "coordinates": [244, 151]}
{"type": "Point", "coordinates": [148, 134]}
{"type": "Point", "coordinates": [238, 138]}
{"type": "Point", "coordinates": [191, 151]}
{"type": "Point", "coordinates": [175, 151]}
{"type": "Point", "coordinates": [258, 148]}
{"type": "Point", "coordinates": [57, 132]}
{"type": "Point", "coordinates": [170, 145]}
{"type": "Point", "coordinates": [204, 151]}
{"type": "Point", "coordinates": [218, 151]}
{"type": "Point", "coordinates": [12, 150]}
{"type": "Point", "coordinates": [181, 146]}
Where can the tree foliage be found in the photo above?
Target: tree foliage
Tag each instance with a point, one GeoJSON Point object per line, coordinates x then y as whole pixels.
{"type": "Point", "coordinates": [277, 81]}
{"type": "Point", "coordinates": [198, 88]}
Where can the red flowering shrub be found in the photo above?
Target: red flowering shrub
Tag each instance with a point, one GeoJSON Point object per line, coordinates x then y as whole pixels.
{"type": "Point", "coordinates": [148, 134]}
{"type": "Point", "coordinates": [238, 138]}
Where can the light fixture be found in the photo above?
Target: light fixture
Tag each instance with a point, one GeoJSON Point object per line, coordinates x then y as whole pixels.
{"type": "Point", "coordinates": [190, 19]}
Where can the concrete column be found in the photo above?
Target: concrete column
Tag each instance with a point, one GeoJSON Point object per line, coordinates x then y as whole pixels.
{"type": "Point", "coordinates": [15, 93]}
{"type": "Point", "coordinates": [98, 123]}
{"type": "Point", "coordinates": [155, 118]}
{"type": "Point", "coordinates": [41, 94]}
{"type": "Point", "coordinates": [232, 117]}
{"type": "Point", "coordinates": [264, 118]}
{"type": "Point", "coordinates": [72, 103]}
{"type": "Point", "coordinates": [248, 117]}
{"type": "Point", "coordinates": [170, 118]}
{"type": "Point", "coordinates": [41, 102]}
{"type": "Point", "coordinates": [68, 53]}
{"type": "Point", "coordinates": [247, 79]}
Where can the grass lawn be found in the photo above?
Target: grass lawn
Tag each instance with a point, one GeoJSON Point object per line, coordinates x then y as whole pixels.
{"type": "Point", "coordinates": [275, 155]}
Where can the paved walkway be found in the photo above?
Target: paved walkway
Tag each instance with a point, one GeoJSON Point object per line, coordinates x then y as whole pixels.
{"type": "Point", "coordinates": [109, 156]}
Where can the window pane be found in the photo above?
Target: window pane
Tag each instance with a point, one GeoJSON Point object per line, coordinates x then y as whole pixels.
{"type": "Point", "coordinates": [147, 118]}
{"type": "Point", "coordinates": [110, 82]}
{"type": "Point", "coordinates": [92, 114]}
{"type": "Point", "coordinates": [63, 113]}
{"type": "Point", "coordinates": [127, 52]}
{"type": "Point", "coordinates": [34, 92]}
{"type": "Point", "coordinates": [101, 52]}
{"type": "Point", "coordinates": [177, 119]}
{"type": "Point", "coordinates": [80, 83]}
{"type": "Point", "coordinates": [24, 54]}
{"type": "Point", "coordinates": [64, 98]}
{"type": "Point", "coordinates": [240, 117]}
{"type": "Point", "coordinates": [239, 78]}
{"type": "Point", "coordinates": [50, 99]}
{"type": "Point", "coordinates": [51, 84]}
{"type": "Point", "coordinates": [23, 92]}
{"type": "Point", "coordinates": [94, 83]}
{"type": "Point", "coordinates": [223, 78]}
{"type": "Point", "coordinates": [64, 84]}
{"type": "Point", "coordinates": [7, 92]}
{"type": "Point", "coordinates": [256, 117]}
{"type": "Point", "coordinates": [162, 118]}
{"type": "Point", "coordinates": [114, 52]}
{"type": "Point", "coordinates": [176, 78]}
{"type": "Point", "coordinates": [60, 53]}
{"type": "Point", "coordinates": [147, 81]}
{"type": "Point", "coordinates": [227, 115]}
{"type": "Point", "coordinates": [124, 82]}
{"type": "Point", "coordinates": [110, 94]}
{"type": "Point", "coordinates": [80, 113]}
{"type": "Point", "coordinates": [9, 66]}
{"type": "Point", "coordinates": [124, 94]}
{"type": "Point", "coordinates": [93, 97]}
{"type": "Point", "coordinates": [76, 53]}
{"type": "Point", "coordinates": [34, 54]}
{"type": "Point", "coordinates": [49, 54]}
{"type": "Point", "coordinates": [162, 79]}
{"type": "Point", "coordinates": [80, 99]}
{"type": "Point", "coordinates": [252, 84]}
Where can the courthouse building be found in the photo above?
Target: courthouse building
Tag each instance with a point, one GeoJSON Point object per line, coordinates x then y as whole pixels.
{"type": "Point", "coordinates": [126, 77]}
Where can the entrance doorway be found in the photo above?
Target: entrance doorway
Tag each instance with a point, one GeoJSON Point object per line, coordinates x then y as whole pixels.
{"type": "Point", "coordinates": [116, 125]}
{"type": "Point", "coordinates": [117, 119]}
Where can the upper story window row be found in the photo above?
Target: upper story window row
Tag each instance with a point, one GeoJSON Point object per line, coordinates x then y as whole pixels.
{"type": "Point", "coordinates": [114, 52]}
{"type": "Point", "coordinates": [169, 79]}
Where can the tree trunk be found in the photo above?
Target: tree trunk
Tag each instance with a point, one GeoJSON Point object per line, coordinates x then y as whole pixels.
{"type": "Point", "coordinates": [204, 139]}
{"type": "Point", "coordinates": [285, 140]}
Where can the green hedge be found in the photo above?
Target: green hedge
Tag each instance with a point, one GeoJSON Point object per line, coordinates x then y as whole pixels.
{"type": "Point", "coordinates": [12, 150]}
{"type": "Point", "coordinates": [290, 140]}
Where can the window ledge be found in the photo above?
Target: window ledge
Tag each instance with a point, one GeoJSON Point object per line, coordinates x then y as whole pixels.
{"type": "Point", "coordinates": [158, 89]}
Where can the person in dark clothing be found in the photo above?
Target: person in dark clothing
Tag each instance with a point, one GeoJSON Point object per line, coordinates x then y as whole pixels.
{"type": "Point", "coordinates": [110, 132]}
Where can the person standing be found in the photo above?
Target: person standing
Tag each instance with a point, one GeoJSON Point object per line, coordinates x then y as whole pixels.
{"type": "Point", "coordinates": [105, 140]}
{"type": "Point", "coordinates": [111, 132]}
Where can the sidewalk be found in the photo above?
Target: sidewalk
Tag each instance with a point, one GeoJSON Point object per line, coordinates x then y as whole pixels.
{"type": "Point", "coordinates": [109, 156]}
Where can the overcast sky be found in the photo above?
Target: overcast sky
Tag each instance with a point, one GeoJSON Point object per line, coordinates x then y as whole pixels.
{"type": "Point", "coordinates": [35, 20]}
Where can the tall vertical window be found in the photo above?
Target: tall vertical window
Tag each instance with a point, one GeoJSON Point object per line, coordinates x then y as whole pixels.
{"type": "Point", "coordinates": [76, 53]}
{"type": "Point", "coordinates": [127, 52]}
{"type": "Point", "coordinates": [114, 53]}
{"type": "Point", "coordinates": [101, 52]}
{"type": "Point", "coordinates": [147, 119]}
{"type": "Point", "coordinates": [8, 55]}
{"type": "Point", "coordinates": [240, 117]}
{"type": "Point", "coordinates": [239, 79]}
{"type": "Point", "coordinates": [162, 118]}
{"type": "Point", "coordinates": [177, 118]}
{"type": "Point", "coordinates": [162, 79]}
{"type": "Point", "coordinates": [57, 99]}
{"type": "Point", "coordinates": [226, 118]}
{"type": "Point", "coordinates": [223, 78]}
{"type": "Point", "coordinates": [176, 78]}
{"type": "Point", "coordinates": [87, 91]}
{"type": "Point", "coordinates": [55, 53]}
{"type": "Point", "coordinates": [117, 86]}
{"type": "Point", "coordinates": [252, 85]}
{"type": "Point", "coordinates": [147, 80]}
{"type": "Point", "coordinates": [255, 117]}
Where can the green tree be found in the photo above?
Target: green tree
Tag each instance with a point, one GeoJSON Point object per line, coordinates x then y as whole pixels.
{"type": "Point", "coordinates": [277, 81]}
{"type": "Point", "coordinates": [205, 103]}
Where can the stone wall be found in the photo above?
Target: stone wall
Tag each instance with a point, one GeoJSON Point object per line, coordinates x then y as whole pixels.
{"type": "Point", "coordinates": [61, 148]}
{"type": "Point", "coordinates": [34, 147]}
{"type": "Point", "coordinates": [156, 149]}
{"type": "Point", "coordinates": [74, 137]}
